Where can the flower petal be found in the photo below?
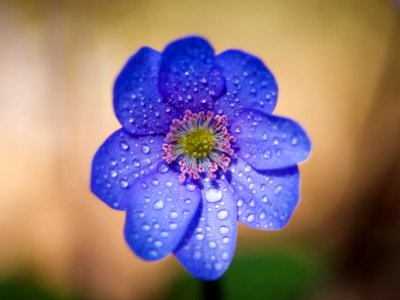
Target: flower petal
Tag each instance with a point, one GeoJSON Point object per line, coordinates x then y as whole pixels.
{"type": "Point", "coordinates": [159, 214]}
{"type": "Point", "coordinates": [249, 84]}
{"type": "Point", "coordinates": [137, 101]}
{"type": "Point", "coordinates": [270, 142]}
{"type": "Point", "coordinates": [120, 162]}
{"type": "Point", "coordinates": [265, 199]}
{"type": "Point", "coordinates": [209, 245]}
{"type": "Point", "coordinates": [189, 78]}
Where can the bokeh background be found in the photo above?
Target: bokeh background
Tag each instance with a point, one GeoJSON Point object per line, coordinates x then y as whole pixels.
{"type": "Point", "coordinates": [337, 64]}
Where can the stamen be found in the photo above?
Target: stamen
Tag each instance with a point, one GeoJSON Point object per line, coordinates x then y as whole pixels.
{"type": "Point", "coordinates": [200, 141]}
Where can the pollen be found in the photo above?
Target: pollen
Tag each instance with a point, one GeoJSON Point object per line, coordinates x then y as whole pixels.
{"type": "Point", "coordinates": [200, 143]}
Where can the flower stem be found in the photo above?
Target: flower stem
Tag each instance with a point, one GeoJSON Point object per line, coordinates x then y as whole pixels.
{"type": "Point", "coordinates": [212, 290]}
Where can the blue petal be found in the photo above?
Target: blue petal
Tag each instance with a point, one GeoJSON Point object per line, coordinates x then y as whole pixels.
{"type": "Point", "coordinates": [159, 214]}
{"type": "Point", "coordinates": [209, 245]}
{"type": "Point", "coordinates": [137, 101]}
{"type": "Point", "coordinates": [189, 78]}
{"type": "Point", "coordinates": [265, 199]}
{"type": "Point", "coordinates": [270, 142]}
{"type": "Point", "coordinates": [249, 84]}
{"type": "Point", "coordinates": [120, 162]}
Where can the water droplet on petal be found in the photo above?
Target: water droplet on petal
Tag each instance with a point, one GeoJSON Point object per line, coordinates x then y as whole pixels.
{"type": "Point", "coordinates": [190, 187]}
{"type": "Point", "coordinates": [168, 184]}
{"type": "Point", "coordinates": [146, 227]}
{"type": "Point", "coordinates": [276, 141]}
{"type": "Point", "coordinates": [173, 226]}
{"type": "Point", "coordinates": [278, 189]}
{"type": "Point", "coordinates": [197, 255]}
{"type": "Point", "coordinates": [124, 184]}
{"type": "Point", "coordinates": [267, 154]}
{"type": "Point", "coordinates": [224, 230]}
{"type": "Point", "coordinates": [213, 195]}
{"type": "Point", "coordinates": [262, 216]}
{"type": "Point", "coordinates": [240, 202]}
{"type": "Point", "coordinates": [124, 146]}
{"type": "Point", "coordinates": [294, 141]}
{"type": "Point", "coordinates": [145, 148]}
{"type": "Point", "coordinates": [225, 256]}
{"type": "Point", "coordinates": [218, 266]}
{"type": "Point", "coordinates": [113, 173]}
{"type": "Point", "coordinates": [173, 215]}
{"type": "Point", "coordinates": [163, 167]}
{"type": "Point", "coordinates": [222, 214]}
{"type": "Point", "coordinates": [158, 243]}
{"type": "Point", "coordinates": [212, 245]}
{"type": "Point", "coordinates": [200, 236]}
{"type": "Point", "coordinates": [136, 163]}
{"type": "Point", "coordinates": [265, 199]}
{"type": "Point", "coordinates": [250, 218]}
{"type": "Point", "coordinates": [159, 204]}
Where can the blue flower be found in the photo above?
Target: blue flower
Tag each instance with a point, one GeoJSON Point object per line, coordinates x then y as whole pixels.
{"type": "Point", "coordinates": [198, 150]}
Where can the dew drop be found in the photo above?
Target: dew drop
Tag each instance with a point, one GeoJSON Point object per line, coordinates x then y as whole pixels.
{"type": "Point", "coordinates": [159, 205]}
{"type": "Point", "coordinates": [247, 168]}
{"type": "Point", "coordinates": [225, 256]}
{"type": "Point", "coordinates": [267, 154]}
{"type": "Point", "coordinates": [265, 136]}
{"type": "Point", "coordinates": [278, 189]}
{"type": "Point", "coordinates": [200, 236]}
{"type": "Point", "coordinates": [124, 184]}
{"type": "Point", "coordinates": [168, 184]}
{"type": "Point", "coordinates": [276, 141]}
{"type": "Point", "coordinates": [124, 146]}
{"type": "Point", "coordinates": [262, 216]}
{"type": "Point", "coordinates": [240, 202]}
{"type": "Point", "coordinates": [218, 266]}
{"type": "Point", "coordinates": [136, 163]}
{"type": "Point", "coordinates": [238, 129]}
{"type": "Point", "coordinates": [158, 243]}
{"type": "Point", "coordinates": [113, 173]}
{"type": "Point", "coordinates": [143, 185]}
{"type": "Point", "coordinates": [250, 218]}
{"type": "Point", "coordinates": [265, 199]}
{"type": "Point", "coordinates": [190, 187]}
{"type": "Point", "coordinates": [197, 255]}
{"type": "Point", "coordinates": [225, 240]}
{"type": "Point", "coordinates": [164, 234]}
{"type": "Point", "coordinates": [222, 214]}
{"type": "Point", "coordinates": [154, 182]}
{"type": "Point", "coordinates": [173, 215]}
{"type": "Point", "coordinates": [173, 226]}
{"type": "Point", "coordinates": [294, 141]}
{"type": "Point", "coordinates": [145, 148]}
{"type": "Point", "coordinates": [163, 167]}
{"type": "Point", "coordinates": [147, 199]}
{"type": "Point", "coordinates": [223, 230]}
{"type": "Point", "coordinates": [212, 245]}
{"type": "Point", "coordinates": [146, 227]}
{"type": "Point", "coordinates": [213, 195]}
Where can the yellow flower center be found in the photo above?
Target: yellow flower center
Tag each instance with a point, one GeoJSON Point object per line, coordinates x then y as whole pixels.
{"type": "Point", "coordinates": [198, 143]}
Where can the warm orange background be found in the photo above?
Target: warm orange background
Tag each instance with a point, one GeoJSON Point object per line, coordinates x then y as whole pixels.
{"type": "Point", "coordinates": [338, 69]}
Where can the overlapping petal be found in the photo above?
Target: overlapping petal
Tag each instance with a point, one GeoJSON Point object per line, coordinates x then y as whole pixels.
{"type": "Point", "coordinates": [209, 245]}
{"type": "Point", "coordinates": [265, 199]}
{"type": "Point", "coordinates": [159, 213]}
{"type": "Point", "coordinates": [189, 78]}
{"type": "Point", "coordinates": [249, 84]}
{"type": "Point", "coordinates": [120, 162]}
{"type": "Point", "coordinates": [137, 102]}
{"type": "Point", "coordinates": [270, 142]}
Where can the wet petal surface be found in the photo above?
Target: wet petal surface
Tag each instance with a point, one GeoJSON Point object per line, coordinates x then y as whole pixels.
{"type": "Point", "coordinates": [137, 102]}
{"type": "Point", "coordinates": [159, 214]}
{"type": "Point", "coordinates": [189, 78]}
{"type": "Point", "coordinates": [120, 162]}
{"type": "Point", "coordinates": [249, 84]}
{"type": "Point", "coordinates": [209, 246]}
{"type": "Point", "coordinates": [270, 142]}
{"type": "Point", "coordinates": [265, 199]}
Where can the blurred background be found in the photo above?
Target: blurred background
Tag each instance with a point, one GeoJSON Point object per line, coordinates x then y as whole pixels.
{"type": "Point", "coordinates": [337, 64]}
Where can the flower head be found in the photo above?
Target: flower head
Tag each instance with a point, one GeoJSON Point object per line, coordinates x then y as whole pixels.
{"type": "Point", "coordinates": [198, 150]}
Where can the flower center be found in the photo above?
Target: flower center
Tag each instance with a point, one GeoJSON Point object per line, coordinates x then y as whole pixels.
{"type": "Point", "coordinates": [200, 141]}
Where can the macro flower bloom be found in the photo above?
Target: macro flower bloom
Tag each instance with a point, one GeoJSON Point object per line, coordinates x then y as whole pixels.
{"type": "Point", "coordinates": [198, 151]}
